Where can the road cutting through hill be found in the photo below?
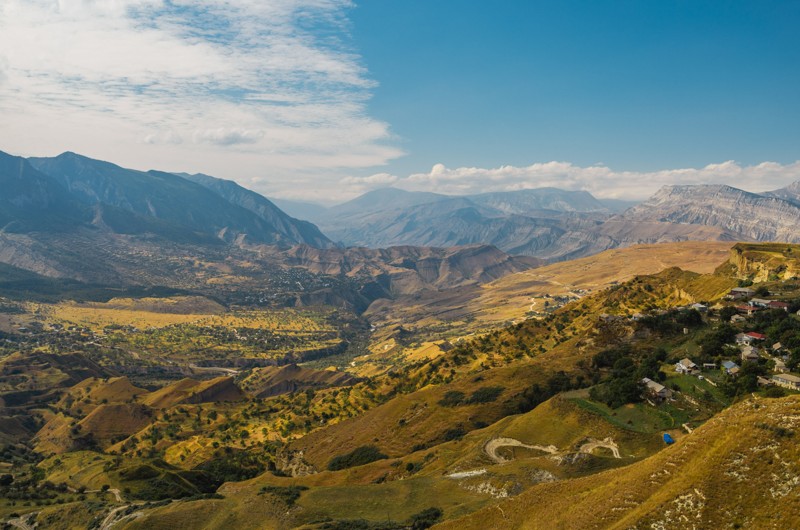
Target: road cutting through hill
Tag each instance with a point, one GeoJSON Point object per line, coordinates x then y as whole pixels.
{"type": "Point", "coordinates": [491, 447]}
{"type": "Point", "coordinates": [608, 443]}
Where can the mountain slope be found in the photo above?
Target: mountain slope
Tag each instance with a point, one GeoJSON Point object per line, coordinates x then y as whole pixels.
{"type": "Point", "coordinates": [32, 201]}
{"type": "Point", "coordinates": [749, 215]}
{"type": "Point", "coordinates": [524, 202]}
{"type": "Point", "coordinates": [293, 230]}
{"type": "Point", "coordinates": [739, 470]}
{"type": "Point", "coordinates": [165, 197]}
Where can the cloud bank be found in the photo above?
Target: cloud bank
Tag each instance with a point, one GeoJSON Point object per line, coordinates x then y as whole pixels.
{"type": "Point", "coordinates": [599, 180]}
{"type": "Point", "coordinates": [245, 89]}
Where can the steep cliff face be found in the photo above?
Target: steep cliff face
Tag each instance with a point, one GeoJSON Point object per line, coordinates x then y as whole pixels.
{"type": "Point", "coordinates": [766, 261]}
{"type": "Point", "coordinates": [749, 215]}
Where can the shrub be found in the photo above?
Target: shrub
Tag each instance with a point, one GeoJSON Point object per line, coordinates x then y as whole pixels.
{"type": "Point", "coordinates": [456, 433]}
{"type": "Point", "coordinates": [452, 398]}
{"type": "Point", "coordinates": [486, 394]}
{"type": "Point", "coordinates": [775, 392]}
{"type": "Point", "coordinates": [287, 494]}
{"type": "Point", "coordinates": [358, 457]}
{"type": "Point", "coordinates": [425, 518]}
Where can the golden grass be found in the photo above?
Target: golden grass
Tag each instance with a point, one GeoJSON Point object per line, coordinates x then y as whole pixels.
{"type": "Point", "coordinates": [740, 469]}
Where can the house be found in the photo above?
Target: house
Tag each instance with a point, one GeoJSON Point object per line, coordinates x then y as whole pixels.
{"type": "Point", "coordinates": [700, 308]}
{"type": "Point", "coordinates": [709, 366]}
{"type": "Point", "coordinates": [759, 302]}
{"type": "Point", "coordinates": [790, 381]}
{"type": "Point", "coordinates": [685, 366]}
{"type": "Point", "coordinates": [730, 367]}
{"type": "Point", "coordinates": [748, 310]}
{"type": "Point", "coordinates": [749, 353]}
{"type": "Point", "coordinates": [778, 305]}
{"type": "Point", "coordinates": [743, 339]}
{"type": "Point", "coordinates": [735, 319]}
{"type": "Point", "coordinates": [740, 293]}
{"type": "Point", "coordinates": [777, 347]}
{"type": "Point", "coordinates": [756, 336]}
{"type": "Point", "coordinates": [657, 389]}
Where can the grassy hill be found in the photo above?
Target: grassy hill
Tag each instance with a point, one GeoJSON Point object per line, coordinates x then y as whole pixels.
{"type": "Point", "coordinates": [739, 470]}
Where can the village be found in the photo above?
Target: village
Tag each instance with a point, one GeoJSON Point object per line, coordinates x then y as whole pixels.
{"type": "Point", "coordinates": [749, 351]}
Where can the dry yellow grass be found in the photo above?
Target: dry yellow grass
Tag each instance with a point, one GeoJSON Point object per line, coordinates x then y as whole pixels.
{"type": "Point", "coordinates": [162, 312]}
{"type": "Point", "coordinates": [739, 470]}
{"type": "Point", "coordinates": [511, 297]}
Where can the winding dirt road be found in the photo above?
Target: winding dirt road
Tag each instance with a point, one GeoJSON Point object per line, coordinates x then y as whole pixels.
{"type": "Point", "coordinates": [491, 447]}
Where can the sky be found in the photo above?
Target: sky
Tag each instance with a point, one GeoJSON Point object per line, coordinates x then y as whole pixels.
{"type": "Point", "coordinates": [322, 100]}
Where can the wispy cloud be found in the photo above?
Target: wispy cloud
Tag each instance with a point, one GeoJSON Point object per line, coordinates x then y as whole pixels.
{"type": "Point", "coordinates": [246, 89]}
{"type": "Point", "coordinates": [599, 180]}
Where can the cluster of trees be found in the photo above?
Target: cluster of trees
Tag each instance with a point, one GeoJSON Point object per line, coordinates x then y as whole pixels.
{"type": "Point", "coordinates": [628, 367]}
{"type": "Point", "coordinates": [673, 322]}
{"type": "Point", "coordinates": [358, 457]}
{"type": "Point", "coordinates": [486, 394]}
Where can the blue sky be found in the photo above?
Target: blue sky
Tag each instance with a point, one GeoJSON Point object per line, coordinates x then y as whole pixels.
{"type": "Point", "coordinates": [639, 85]}
{"type": "Point", "coordinates": [325, 99]}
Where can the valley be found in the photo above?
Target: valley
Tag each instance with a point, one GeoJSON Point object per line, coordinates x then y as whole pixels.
{"type": "Point", "coordinates": [229, 366]}
{"type": "Point", "coordinates": [181, 408]}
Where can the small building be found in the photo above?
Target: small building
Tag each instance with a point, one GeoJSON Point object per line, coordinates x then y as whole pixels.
{"type": "Point", "coordinates": [748, 310]}
{"type": "Point", "coordinates": [777, 347]}
{"type": "Point", "coordinates": [778, 305]}
{"type": "Point", "coordinates": [736, 319]}
{"type": "Point", "coordinates": [743, 339]}
{"type": "Point", "coordinates": [749, 353]}
{"type": "Point", "coordinates": [709, 366]}
{"type": "Point", "coordinates": [730, 367]}
{"type": "Point", "coordinates": [701, 308]}
{"type": "Point", "coordinates": [740, 293]}
{"type": "Point", "coordinates": [760, 302]}
{"type": "Point", "coordinates": [756, 336]}
{"type": "Point", "coordinates": [685, 366]}
{"type": "Point", "coordinates": [789, 381]}
{"type": "Point", "coordinates": [656, 389]}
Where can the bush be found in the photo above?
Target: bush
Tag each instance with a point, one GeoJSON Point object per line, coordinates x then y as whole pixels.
{"type": "Point", "coordinates": [288, 494]}
{"type": "Point", "coordinates": [358, 457]}
{"type": "Point", "coordinates": [452, 398]}
{"type": "Point", "coordinates": [486, 394]}
{"type": "Point", "coordinates": [456, 433]}
{"type": "Point", "coordinates": [774, 392]}
{"type": "Point", "coordinates": [425, 518]}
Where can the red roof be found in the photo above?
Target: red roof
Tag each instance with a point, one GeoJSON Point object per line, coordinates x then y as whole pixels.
{"type": "Point", "coordinates": [778, 305]}
{"type": "Point", "coordinates": [759, 336]}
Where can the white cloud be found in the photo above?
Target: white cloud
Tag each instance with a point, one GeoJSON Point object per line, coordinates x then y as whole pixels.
{"type": "Point", "coordinates": [599, 180]}
{"type": "Point", "coordinates": [236, 88]}
{"type": "Point", "coordinates": [223, 136]}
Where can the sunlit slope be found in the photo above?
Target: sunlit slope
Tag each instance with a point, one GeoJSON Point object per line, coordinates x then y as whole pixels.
{"type": "Point", "coordinates": [514, 296]}
{"type": "Point", "coordinates": [739, 470]}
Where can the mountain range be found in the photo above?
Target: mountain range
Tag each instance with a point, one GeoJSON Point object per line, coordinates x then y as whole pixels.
{"type": "Point", "coordinates": [101, 204]}
{"type": "Point", "coordinates": [555, 224]}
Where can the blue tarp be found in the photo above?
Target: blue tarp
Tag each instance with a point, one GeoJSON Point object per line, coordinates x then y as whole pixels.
{"type": "Point", "coordinates": [668, 439]}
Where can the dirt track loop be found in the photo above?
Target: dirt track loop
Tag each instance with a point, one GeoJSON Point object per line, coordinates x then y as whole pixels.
{"type": "Point", "coordinates": [491, 447]}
